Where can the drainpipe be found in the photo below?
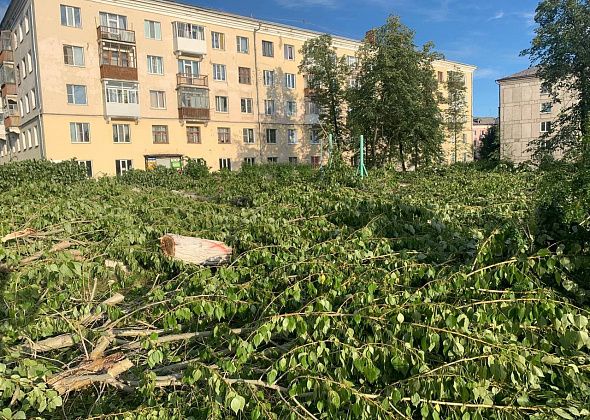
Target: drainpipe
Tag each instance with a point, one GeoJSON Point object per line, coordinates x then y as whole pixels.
{"type": "Point", "coordinates": [257, 91]}
{"type": "Point", "coordinates": [37, 83]}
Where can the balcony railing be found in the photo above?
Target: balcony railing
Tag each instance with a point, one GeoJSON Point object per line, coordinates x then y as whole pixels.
{"type": "Point", "coordinates": [189, 79]}
{"type": "Point", "coordinates": [108, 71]}
{"type": "Point", "coordinates": [11, 118]}
{"type": "Point", "coordinates": [196, 114]}
{"type": "Point", "coordinates": [115, 34]}
{"type": "Point", "coordinates": [6, 56]}
{"type": "Point", "coordinates": [118, 65]}
{"type": "Point", "coordinates": [8, 89]}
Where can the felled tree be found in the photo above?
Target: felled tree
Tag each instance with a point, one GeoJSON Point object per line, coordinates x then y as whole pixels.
{"type": "Point", "coordinates": [394, 102]}
{"type": "Point", "coordinates": [327, 75]}
{"type": "Point", "coordinates": [561, 51]}
{"type": "Point", "coordinates": [490, 144]}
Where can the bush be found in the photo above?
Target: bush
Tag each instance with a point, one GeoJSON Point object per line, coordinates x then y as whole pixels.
{"type": "Point", "coordinates": [17, 174]}
{"type": "Point", "coordinates": [196, 168]}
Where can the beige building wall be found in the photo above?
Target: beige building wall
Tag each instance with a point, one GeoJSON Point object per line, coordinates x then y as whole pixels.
{"type": "Point", "coordinates": [524, 113]}
{"type": "Point", "coordinates": [49, 123]}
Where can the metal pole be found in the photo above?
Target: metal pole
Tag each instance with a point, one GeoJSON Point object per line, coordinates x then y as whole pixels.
{"type": "Point", "coordinates": [330, 146]}
{"type": "Point", "coordinates": [362, 171]}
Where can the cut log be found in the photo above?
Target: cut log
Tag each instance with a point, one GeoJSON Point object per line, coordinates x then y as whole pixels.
{"type": "Point", "coordinates": [195, 250]}
{"type": "Point", "coordinates": [53, 343]}
{"type": "Point", "coordinates": [20, 234]}
{"type": "Point", "coordinates": [116, 264]}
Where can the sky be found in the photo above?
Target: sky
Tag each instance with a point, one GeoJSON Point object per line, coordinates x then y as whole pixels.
{"type": "Point", "coordinates": [486, 33]}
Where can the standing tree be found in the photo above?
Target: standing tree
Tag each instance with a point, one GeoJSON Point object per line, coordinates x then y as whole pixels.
{"type": "Point", "coordinates": [395, 102]}
{"type": "Point", "coordinates": [561, 51]}
{"type": "Point", "coordinates": [490, 144]}
{"type": "Point", "coordinates": [456, 111]}
{"type": "Point", "coordinates": [327, 75]}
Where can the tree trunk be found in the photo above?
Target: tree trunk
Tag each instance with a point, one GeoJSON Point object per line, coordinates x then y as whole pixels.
{"type": "Point", "coordinates": [195, 250]}
{"type": "Point", "coordinates": [401, 155]}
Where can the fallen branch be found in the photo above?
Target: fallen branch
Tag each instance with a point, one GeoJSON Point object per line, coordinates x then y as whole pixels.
{"type": "Point", "coordinates": [62, 246]}
{"type": "Point", "coordinates": [170, 338]}
{"type": "Point", "coordinates": [52, 343]}
{"type": "Point", "coordinates": [19, 234]}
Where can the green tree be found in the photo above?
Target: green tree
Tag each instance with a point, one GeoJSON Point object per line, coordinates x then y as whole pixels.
{"type": "Point", "coordinates": [394, 102]}
{"type": "Point", "coordinates": [455, 113]}
{"type": "Point", "coordinates": [561, 51]}
{"type": "Point", "coordinates": [327, 76]}
{"type": "Point", "coordinates": [490, 144]}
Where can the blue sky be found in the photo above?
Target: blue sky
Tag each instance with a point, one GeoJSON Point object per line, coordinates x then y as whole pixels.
{"type": "Point", "coordinates": [489, 34]}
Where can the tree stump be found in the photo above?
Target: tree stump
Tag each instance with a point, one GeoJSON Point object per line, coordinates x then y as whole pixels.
{"type": "Point", "coordinates": [195, 250]}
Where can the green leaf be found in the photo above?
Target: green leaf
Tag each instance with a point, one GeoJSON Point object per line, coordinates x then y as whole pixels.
{"type": "Point", "coordinates": [563, 414]}
{"type": "Point", "coordinates": [238, 403]}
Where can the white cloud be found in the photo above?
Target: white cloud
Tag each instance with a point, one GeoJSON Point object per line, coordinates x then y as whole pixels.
{"type": "Point", "coordinates": [498, 15]}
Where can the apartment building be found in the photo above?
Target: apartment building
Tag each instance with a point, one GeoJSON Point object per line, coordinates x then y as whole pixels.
{"type": "Point", "coordinates": [121, 84]}
{"type": "Point", "coordinates": [527, 112]}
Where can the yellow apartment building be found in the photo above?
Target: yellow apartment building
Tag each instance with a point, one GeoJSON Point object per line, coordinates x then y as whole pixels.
{"type": "Point", "coordinates": [120, 84]}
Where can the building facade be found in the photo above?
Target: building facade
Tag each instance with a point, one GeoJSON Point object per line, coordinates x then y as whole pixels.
{"type": "Point", "coordinates": [120, 84]}
{"type": "Point", "coordinates": [527, 112]}
{"type": "Point", "coordinates": [481, 126]}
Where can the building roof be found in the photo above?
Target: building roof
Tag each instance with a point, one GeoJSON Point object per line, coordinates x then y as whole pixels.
{"type": "Point", "coordinates": [530, 72]}
{"type": "Point", "coordinates": [485, 120]}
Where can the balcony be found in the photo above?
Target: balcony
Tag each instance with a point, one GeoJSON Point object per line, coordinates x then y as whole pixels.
{"type": "Point", "coordinates": [8, 89]}
{"type": "Point", "coordinates": [11, 119]}
{"type": "Point", "coordinates": [6, 47]}
{"type": "Point", "coordinates": [194, 114]}
{"type": "Point", "coordinates": [189, 39]}
{"type": "Point", "coordinates": [309, 92]}
{"type": "Point", "coordinates": [107, 33]}
{"type": "Point", "coordinates": [118, 62]}
{"type": "Point", "coordinates": [188, 79]}
{"type": "Point", "coordinates": [108, 71]}
{"type": "Point", "coordinates": [6, 56]}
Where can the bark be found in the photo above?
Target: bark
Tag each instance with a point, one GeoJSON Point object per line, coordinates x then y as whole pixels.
{"type": "Point", "coordinates": [195, 250]}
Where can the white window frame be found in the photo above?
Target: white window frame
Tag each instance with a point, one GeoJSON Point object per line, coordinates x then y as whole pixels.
{"type": "Point", "coordinates": [314, 137]}
{"type": "Point", "coordinates": [160, 96]}
{"type": "Point", "coordinates": [226, 131]}
{"type": "Point", "coordinates": [290, 80]}
{"type": "Point", "coordinates": [225, 163]}
{"type": "Point", "coordinates": [220, 72]}
{"type": "Point", "coordinates": [268, 136]}
{"type": "Point", "coordinates": [123, 165]}
{"type": "Point", "coordinates": [270, 107]}
{"type": "Point", "coordinates": [29, 62]}
{"type": "Point", "coordinates": [189, 31]}
{"type": "Point", "coordinates": [79, 132]}
{"type": "Point", "coordinates": [36, 136]}
{"type": "Point", "coordinates": [73, 16]}
{"type": "Point", "coordinates": [27, 104]}
{"type": "Point", "coordinates": [29, 141]}
{"type": "Point", "coordinates": [221, 100]}
{"type": "Point", "coordinates": [87, 164]}
{"type": "Point", "coordinates": [121, 133]}
{"type": "Point", "coordinates": [73, 49]}
{"type": "Point", "coordinates": [547, 125]}
{"type": "Point", "coordinates": [548, 110]}
{"type": "Point", "coordinates": [248, 136]}
{"type": "Point", "coordinates": [152, 30]}
{"type": "Point", "coordinates": [218, 40]}
{"type": "Point", "coordinates": [240, 47]}
{"type": "Point", "coordinates": [155, 65]}
{"type": "Point", "coordinates": [249, 161]}
{"type": "Point", "coordinates": [268, 77]}
{"type": "Point", "coordinates": [246, 105]}
{"type": "Point", "coordinates": [292, 136]}
{"type": "Point", "coordinates": [268, 49]}
{"type": "Point", "coordinates": [289, 52]}
{"type": "Point", "coordinates": [72, 95]}
{"type": "Point", "coordinates": [122, 92]}
{"type": "Point", "coordinates": [290, 108]}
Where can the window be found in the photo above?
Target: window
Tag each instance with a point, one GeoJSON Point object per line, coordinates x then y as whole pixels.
{"type": "Point", "coordinates": [153, 30]}
{"type": "Point", "coordinates": [189, 67]}
{"type": "Point", "coordinates": [272, 159]}
{"type": "Point", "coordinates": [269, 77]}
{"type": "Point", "coordinates": [30, 62]}
{"type": "Point", "coordinates": [27, 104]}
{"type": "Point", "coordinates": [70, 16]}
{"type": "Point", "coordinates": [217, 41]}
{"type": "Point", "coordinates": [311, 108]}
{"type": "Point", "coordinates": [76, 94]}
{"type": "Point", "coordinates": [440, 76]}
{"type": "Point", "coordinates": [121, 133]}
{"type": "Point", "coordinates": [271, 136]}
{"type": "Point", "coordinates": [291, 108]}
{"type": "Point", "coordinates": [248, 134]}
{"type": "Point", "coordinates": [243, 45]}
{"type": "Point", "coordinates": [221, 104]}
{"type": "Point", "coordinates": [546, 127]}
{"type": "Point", "coordinates": [225, 163]}
{"type": "Point", "coordinates": [289, 52]}
{"type": "Point", "coordinates": [27, 23]}
{"type": "Point", "coordinates": [22, 108]}
{"type": "Point", "coordinates": [351, 61]}
{"type": "Point", "coordinates": [293, 160]}
{"type": "Point", "coordinates": [155, 64]}
{"type": "Point", "coordinates": [268, 49]}
{"type": "Point", "coordinates": [123, 165]}
{"type": "Point", "coordinates": [291, 136]}
{"type": "Point", "coordinates": [546, 107]}
{"type": "Point", "coordinates": [315, 161]}
{"type": "Point", "coordinates": [246, 105]}
{"type": "Point", "coordinates": [244, 76]}
{"type": "Point", "coordinates": [73, 56]}
{"type": "Point", "coordinates": [269, 106]}
{"type": "Point", "coordinates": [290, 80]}
{"type": "Point", "coordinates": [160, 134]}
{"type": "Point", "coordinates": [314, 137]}
{"type": "Point", "coordinates": [188, 30]}
{"type": "Point", "coordinates": [86, 164]}
{"type": "Point", "coordinates": [249, 161]}
{"type": "Point", "coordinates": [193, 98]}
{"type": "Point", "coordinates": [36, 136]}
{"type": "Point", "coordinates": [193, 135]}
{"type": "Point", "coordinates": [219, 72]}
{"type": "Point", "coordinates": [29, 142]}
{"type": "Point", "coordinates": [20, 32]}
{"type": "Point", "coordinates": [80, 132]}
{"type": "Point", "coordinates": [113, 21]}
{"type": "Point", "coordinates": [121, 92]}
{"type": "Point", "coordinates": [158, 99]}
{"type": "Point", "coordinates": [224, 135]}
{"type": "Point", "coordinates": [23, 66]}
{"type": "Point", "coordinates": [545, 90]}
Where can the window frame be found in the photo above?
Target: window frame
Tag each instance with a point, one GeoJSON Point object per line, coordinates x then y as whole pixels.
{"type": "Point", "coordinates": [190, 135]}
{"type": "Point", "coordinates": [248, 136]}
{"type": "Point", "coordinates": [220, 40]}
{"type": "Point", "coordinates": [267, 109]}
{"type": "Point", "coordinates": [82, 128]}
{"type": "Point", "coordinates": [239, 45]}
{"type": "Point", "coordinates": [163, 96]}
{"type": "Point", "coordinates": [147, 29]}
{"type": "Point", "coordinates": [154, 59]}
{"type": "Point", "coordinates": [223, 135]}
{"type": "Point", "coordinates": [268, 49]}
{"type": "Point", "coordinates": [73, 94]}
{"type": "Point", "coordinates": [117, 132]}
{"type": "Point", "coordinates": [247, 105]}
{"type": "Point", "coordinates": [244, 75]}
{"type": "Point", "coordinates": [73, 55]}
{"type": "Point", "coordinates": [289, 48]}
{"type": "Point", "coordinates": [77, 23]}
{"type": "Point", "coordinates": [218, 100]}
{"type": "Point", "coordinates": [267, 136]}
{"type": "Point", "coordinates": [160, 134]}
{"type": "Point", "coordinates": [119, 168]}
{"type": "Point", "coordinates": [219, 72]}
